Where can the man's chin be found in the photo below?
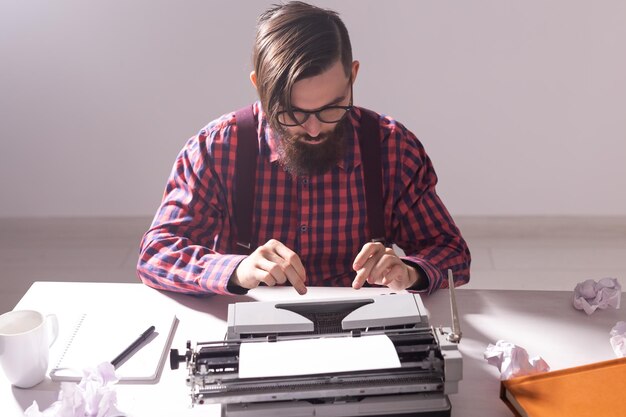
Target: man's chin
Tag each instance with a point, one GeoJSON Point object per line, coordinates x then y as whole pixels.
{"type": "Point", "coordinates": [304, 158]}
{"type": "Point", "coordinates": [305, 155]}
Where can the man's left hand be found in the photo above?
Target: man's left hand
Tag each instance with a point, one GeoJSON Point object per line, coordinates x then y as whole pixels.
{"type": "Point", "coordinates": [380, 265]}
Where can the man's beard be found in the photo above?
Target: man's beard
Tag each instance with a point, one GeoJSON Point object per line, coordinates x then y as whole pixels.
{"type": "Point", "coordinates": [303, 159]}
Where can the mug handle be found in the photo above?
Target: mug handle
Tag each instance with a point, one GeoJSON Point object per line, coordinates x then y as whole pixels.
{"type": "Point", "coordinates": [52, 323]}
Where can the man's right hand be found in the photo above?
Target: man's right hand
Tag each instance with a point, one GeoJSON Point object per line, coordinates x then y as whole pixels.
{"type": "Point", "coordinates": [272, 263]}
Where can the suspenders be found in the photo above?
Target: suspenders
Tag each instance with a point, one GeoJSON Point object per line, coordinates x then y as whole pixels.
{"type": "Point", "coordinates": [245, 175]}
{"type": "Point", "coordinates": [369, 142]}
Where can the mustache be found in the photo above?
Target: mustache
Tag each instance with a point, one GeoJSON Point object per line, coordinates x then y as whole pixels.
{"type": "Point", "coordinates": [305, 137]}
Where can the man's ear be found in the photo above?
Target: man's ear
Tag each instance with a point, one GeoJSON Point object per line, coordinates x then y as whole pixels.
{"type": "Point", "coordinates": [253, 78]}
{"type": "Point", "coordinates": [355, 69]}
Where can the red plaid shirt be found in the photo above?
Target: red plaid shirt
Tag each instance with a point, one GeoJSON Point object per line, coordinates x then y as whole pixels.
{"type": "Point", "coordinates": [322, 217]}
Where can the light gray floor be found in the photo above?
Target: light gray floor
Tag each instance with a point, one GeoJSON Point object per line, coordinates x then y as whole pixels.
{"type": "Point", "coordinates": [507, 253]}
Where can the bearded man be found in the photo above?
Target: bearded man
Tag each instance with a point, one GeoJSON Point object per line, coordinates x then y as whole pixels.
{"type": "Point", "coordinates": [311, 214]}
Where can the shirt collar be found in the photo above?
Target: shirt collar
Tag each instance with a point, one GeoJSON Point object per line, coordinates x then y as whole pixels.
{"type": "Point", "coordinates": [352, 156]}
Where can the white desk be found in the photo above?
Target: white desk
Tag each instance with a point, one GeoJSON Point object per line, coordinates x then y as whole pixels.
{"type": "Point", "coordinates": [544, 322]}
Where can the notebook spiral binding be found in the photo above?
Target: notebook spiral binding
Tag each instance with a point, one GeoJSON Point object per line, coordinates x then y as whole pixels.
{"type": "Point", "coordinates": [71, 339]}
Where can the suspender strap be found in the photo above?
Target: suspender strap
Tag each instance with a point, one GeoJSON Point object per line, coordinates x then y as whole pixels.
{"type": "Point", "coordinates": [369, 141]}
{"type": "Point", "coordinates": [245, 179]}
{"type": "Point", "coordinates": [245, 176]}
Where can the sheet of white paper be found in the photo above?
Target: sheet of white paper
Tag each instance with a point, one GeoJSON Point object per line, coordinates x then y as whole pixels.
{"type": "Point", "coordinates": [316, 356]}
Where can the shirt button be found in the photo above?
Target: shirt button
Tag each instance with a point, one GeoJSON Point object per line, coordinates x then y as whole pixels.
{"type": "Point", "coordinates": [303, 228]}
{"type": "Point", "coordinates": [305, 181]}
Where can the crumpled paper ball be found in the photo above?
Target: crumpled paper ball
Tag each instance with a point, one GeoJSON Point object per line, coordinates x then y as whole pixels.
{"type": "Point", "coordinates": [512, 360]}
{"type": "Point", "coordinates": [590, 295]}
{"type": "Point", "coordinates": [93, 396]}
{"type": "Point", "coordinates": [618, 339]}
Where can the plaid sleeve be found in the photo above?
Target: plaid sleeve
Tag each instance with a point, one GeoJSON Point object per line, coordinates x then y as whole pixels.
{"type": "Point", "coordinates": [421, 224]}
{"type": "Point", "coordinates": [176, 252]}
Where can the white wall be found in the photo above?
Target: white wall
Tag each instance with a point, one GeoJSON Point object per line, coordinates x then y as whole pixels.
{"type": "Point", "coordinates": [521, 105]}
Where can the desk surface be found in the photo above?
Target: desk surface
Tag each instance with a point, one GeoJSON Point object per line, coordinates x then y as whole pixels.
{"type": "Point", "coordinates": [543, 322]}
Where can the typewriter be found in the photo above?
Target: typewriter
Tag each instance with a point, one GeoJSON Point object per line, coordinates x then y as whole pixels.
{"type": "Point", "coordinates": [430, 365]}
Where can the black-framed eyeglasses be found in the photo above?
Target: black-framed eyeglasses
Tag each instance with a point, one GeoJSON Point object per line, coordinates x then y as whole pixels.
{"type": "Point", "coordinates": [326, 114]}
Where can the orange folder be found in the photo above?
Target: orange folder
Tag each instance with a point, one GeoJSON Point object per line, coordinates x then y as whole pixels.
{"type": "Point", "coordinates": [594, 390]}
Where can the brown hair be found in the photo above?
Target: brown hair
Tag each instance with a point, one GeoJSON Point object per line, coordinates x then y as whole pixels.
{"type": "Point", "coordinates": [294, 41]}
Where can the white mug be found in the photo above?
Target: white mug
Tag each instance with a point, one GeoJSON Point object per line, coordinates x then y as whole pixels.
{"type": "Point", "coordinates": [25, 340]}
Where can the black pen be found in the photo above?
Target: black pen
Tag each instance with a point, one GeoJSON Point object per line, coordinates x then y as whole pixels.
{"type": "Point", "coordinates": [132, 347]}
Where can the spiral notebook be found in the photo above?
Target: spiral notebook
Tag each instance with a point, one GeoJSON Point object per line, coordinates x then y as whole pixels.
{"type": "Point", "coordinates": [88, 339]}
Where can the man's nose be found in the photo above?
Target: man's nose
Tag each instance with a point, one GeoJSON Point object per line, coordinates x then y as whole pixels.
{"type": "Point", "coordinates": [312, 126]}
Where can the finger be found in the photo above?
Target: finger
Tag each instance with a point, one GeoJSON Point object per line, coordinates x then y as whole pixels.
{"type": "Point", "coordinates": [359, 279]}
{"type": "Point", "coordinates": [370, 268]}
{"type": "Point", "coordinates": [367, 251]}
{"type": "Point", "coordinates": [365, 260]}
{"type": "Point", "coordinates": [388, 268]}
{"type": "Point", "coordinates": [361, 276]}
{"type": "Point", "coordinates": [292, 267]}
{"type": "Point", "coordinates": [281, 271]}
{"type": "Point", "coordinates": [383, 263]}
{"type": "Point", "coordinates": [276, 259]}
{"type": "Point", "coordinates": [292, 258]}
{"type": "Point", "coordinates": [265, 277]}
{"type": "Point", "coordinates": [397, 278]}
{"type": "Point", "coordinates": [365, 273]}
{"type": "Point", "coordinates": [253, 270]}
{"type": "Point", "coordinates": [272, 265]}
{"type": "Point", "coordinates": [296, 280]}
